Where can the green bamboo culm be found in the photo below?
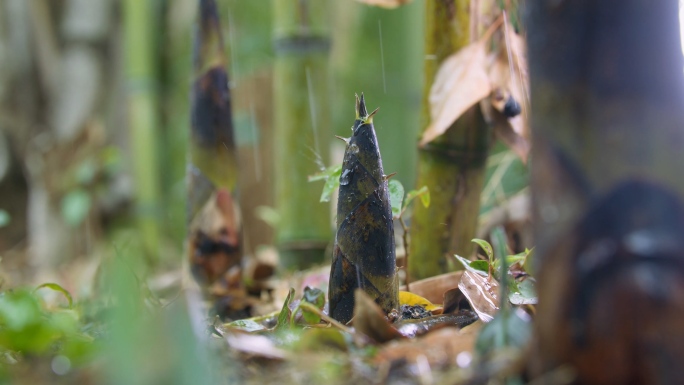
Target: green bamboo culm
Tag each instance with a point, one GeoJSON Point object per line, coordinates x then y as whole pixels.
{"type": "Point", "coordinates": [142, 119]}
{"type": "Point", "coordinates": [453, 165]}
{"type": "Point", "coordinates": [214, 229]}
{"type": "Point", "coordinates": [301, 124]}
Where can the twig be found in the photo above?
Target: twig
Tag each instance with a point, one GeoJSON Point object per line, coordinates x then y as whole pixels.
{"type": "Point", "coordinates": [404, 238]}
{"type": "Point", "coordinates": [327, 318]}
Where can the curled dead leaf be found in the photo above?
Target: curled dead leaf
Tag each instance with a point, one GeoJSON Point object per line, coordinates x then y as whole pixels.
{"type": "Point", "coordinates": [482, 293]}
{"type": "Point", "coordinates": [370, 320]}
{"type": "Point", "coordinates": [433, 288]}
{"type": "Point", "coordinates": [509, 76]}
{"type": "Point", "coordinates": [460, 83]}
{"type": "Point", "coordinates": [440, 347]}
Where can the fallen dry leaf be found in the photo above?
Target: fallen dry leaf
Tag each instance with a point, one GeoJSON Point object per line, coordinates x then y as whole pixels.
{"type": "Point", "coordinates": [385, 3]}
{"type": "Point", "coordinates": [412, 299]}
{"type": "Point", "coordinates": [439, 347]}
{"type": "Point", "coordinates": [454, 300]}
{"type": "Point", "coordinates": [509, 77]}
{"type": "Point", "coordinates": [370, 320]}
{"type": "Point", "coordinates": [482, 293]}
{"type": "Point", "coordinates": [460, 83]}
{"type": "Point", "coordinates": [433, 288]}
{"type": "Point", "coordinates": [417, 327]}
{"type": "Point", "coordinates": [254, 344]}
{"type": "Point", "coordinates": [505, 130]}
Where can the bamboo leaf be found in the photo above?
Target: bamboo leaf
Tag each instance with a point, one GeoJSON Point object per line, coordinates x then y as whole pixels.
{"type": "Point", "coordinates": [59, 289]}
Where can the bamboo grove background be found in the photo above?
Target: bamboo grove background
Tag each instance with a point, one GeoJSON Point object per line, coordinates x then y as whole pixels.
{"type": "Point", "coordinates": [96, 112]}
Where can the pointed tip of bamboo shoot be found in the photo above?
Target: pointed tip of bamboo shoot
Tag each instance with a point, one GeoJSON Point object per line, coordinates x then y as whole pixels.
{"type": "Point", "coordinates": [345, 140]}
{"type": "Point", "coordinates": [361, 111]}
{"type": "Point", "coordinates": [387, 177]}
{"type": "Point", "coordinates": [369, 118]}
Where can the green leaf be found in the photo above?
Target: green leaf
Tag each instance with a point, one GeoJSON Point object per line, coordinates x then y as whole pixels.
{"type": "Point", "coordinates": [396, 192]}
{"type": "Point", "coordinates": [498, 236]}
{"type": "Point", "coordinates": [423, 193]}
{"type": "Point", "coordinates": [507, 329]}
{"type": "Point", "coordinates": [512, 259]}
{"type": "Point", "coordinates": [248, 325]}
{"type": "Point", "coordinates": [479, 266]}
{"type": "Point", "coordinates": [4, 218]}
{"type": "Point", "coordinates": [486, 247]}
{"type": "Point", "coordinates": [284, 316]}
{"type": "Point", "coordinates": [330, 185]}
{"type": "Point", "coordinates": [529, 258]}
{"type": "Point", "coordinates": [86, 172]}
{"type": "Point", "coordinates": [315, 297]}
{"type": "Point", "coordinates": [331, 176]}
{"type": "Point", "coordinates": [524, 293]}
{"type": "Point", "coordinates": [325, 174]}
{"type": "Point", "coordinates": [56, 287]}
{"type": "Point", "coordinates": [267, 214]}
{"type": "Point", "coordinates": [75, 207]}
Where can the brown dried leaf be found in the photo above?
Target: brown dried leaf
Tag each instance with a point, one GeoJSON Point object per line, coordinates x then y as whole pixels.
{"type": "Point", "coordinates": [416, 327]}
{"type": "Point", "coordinates": [439, 347]}
{"type": "Point", "coordinates": [482, 293]}
{"type": "Point", "coordinates": [254, 344]}
{"type": "Point", "coordinates": [511, 80]}
{"type": "Point", "coordinates": [433, 288]}
{"type": "Point", "coordinates": [505, 130]}
{"type": "Point", "coordinates": [460, 83]}
{"type": "Point", "coordinates": [454, 300]}
{"type": "Point", "coordinates": [385, 3]}
{"type": "Point", "coordinates": [370, 320]}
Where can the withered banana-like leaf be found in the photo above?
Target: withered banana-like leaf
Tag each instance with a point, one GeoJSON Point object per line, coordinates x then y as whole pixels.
{"type": "Point", "coordinates": [364, 254]}
{"type": "Point", "coordinates": [214, 230]}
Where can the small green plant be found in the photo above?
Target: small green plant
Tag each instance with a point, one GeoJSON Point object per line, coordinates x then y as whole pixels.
{"type": "Point", "coordinates": [521, 291]}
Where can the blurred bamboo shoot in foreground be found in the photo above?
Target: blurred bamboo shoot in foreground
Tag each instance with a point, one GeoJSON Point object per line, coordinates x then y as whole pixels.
{"type": "Point", "coordinates": [214, 233]}
{"type": "Point", "coordinates": [608, 195]}
{"type": "Point", "coordinates": [301, 124]}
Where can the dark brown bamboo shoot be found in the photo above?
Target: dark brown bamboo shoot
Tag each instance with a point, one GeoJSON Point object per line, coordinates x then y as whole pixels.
{"type": "Point", "coordinates": [214, 234]}
{"type": "Point", "coordinates": [364, 253]}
